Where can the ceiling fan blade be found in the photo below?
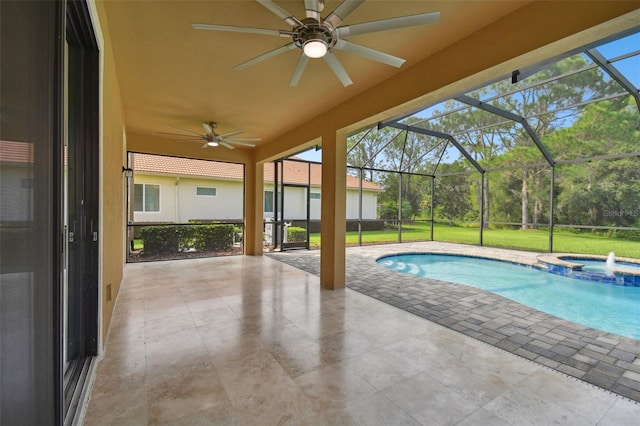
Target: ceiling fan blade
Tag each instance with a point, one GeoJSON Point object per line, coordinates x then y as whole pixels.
{"type": "Point", "coordinates": [373, 54]}
{"type": "Point", "coordinates": [239, 140]}
{"type": "Point", "coordinates": [207, 128]}
{"type": "Point", "coordinates": [297, 73]}
{"type": "Point", "coordinates": [336, 17]}
{"type": "Point", "coordinates": [186, 130]}
{"type": "Point", "coordinates": [267, 55]}
{"type": "Point", "coordinates": [289, 19]}
{"type": "Point", "coordinates": [388, 24]}
{"type": "Point", "coordinates": [337, 68]}
{"type": "Point", "coordinates": [206, 145]}
{"type": "Point", "coordinates": [250, 145]}
{"type": "Point", "coordinates": [180, 134]}
{"type": "Point", "coordinates": [247, 30]}
{"type": "Point", "coordinates": [237, 132]}
{"type": "Point", "coordinates": [226, 145]}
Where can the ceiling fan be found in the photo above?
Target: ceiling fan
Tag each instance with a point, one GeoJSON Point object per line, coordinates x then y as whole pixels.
{"type": "Point", "coordinates": [211, 138]}
{"type": "Point", "coordinates": [318, 37]}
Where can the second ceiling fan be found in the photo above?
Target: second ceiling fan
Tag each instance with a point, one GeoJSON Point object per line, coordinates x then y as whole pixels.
{"type": "Point", "coordinates": [318, 37]}
{"type": "Point", "coordinates": [212, 139]}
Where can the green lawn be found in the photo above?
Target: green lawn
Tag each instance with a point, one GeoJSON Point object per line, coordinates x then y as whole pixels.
{"type": "Point", "coordinates": [530, 240]}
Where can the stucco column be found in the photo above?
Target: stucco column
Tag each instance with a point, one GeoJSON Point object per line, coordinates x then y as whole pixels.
{"type": "Point", "coordinates": [333, 221]}
{"type": "Point", "coordinates": [253, 213]}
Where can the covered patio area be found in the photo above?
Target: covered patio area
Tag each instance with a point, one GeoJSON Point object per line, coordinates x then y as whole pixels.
{"type": "Point", "coordinates": [254, 340]}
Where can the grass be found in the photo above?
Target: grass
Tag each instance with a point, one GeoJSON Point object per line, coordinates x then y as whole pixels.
{"type": "Point", "coordinates": [529, 240]}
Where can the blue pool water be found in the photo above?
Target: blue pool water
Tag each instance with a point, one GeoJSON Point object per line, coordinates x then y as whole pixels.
{"type": "Point", "coordinates": [611, 308]}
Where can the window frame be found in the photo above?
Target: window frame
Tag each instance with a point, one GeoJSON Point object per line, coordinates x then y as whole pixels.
{"type": "Point", "coordinates": [271, 197]}
{"type": "Point", "coordinates": [144, 198]}
{"type": "Point", "coordinates": [215, 191]}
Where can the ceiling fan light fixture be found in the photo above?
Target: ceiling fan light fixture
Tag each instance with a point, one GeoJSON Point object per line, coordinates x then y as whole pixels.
{"type": "Point", "coordinates": [213, 143]}
{"type": "Point", "coordinates": [315, 48]}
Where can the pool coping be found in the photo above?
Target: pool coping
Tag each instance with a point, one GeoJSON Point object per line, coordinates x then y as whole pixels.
{"type": "Point", "coordinates": [603, 359]}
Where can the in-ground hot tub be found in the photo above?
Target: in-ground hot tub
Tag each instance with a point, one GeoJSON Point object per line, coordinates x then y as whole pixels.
{"type": "Point", "coordinates": [604, 269]}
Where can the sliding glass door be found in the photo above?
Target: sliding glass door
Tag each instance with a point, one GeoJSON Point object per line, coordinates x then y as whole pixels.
{"type": "Point", "coordinates": [49, 208]}
{"type": "Point", "coordinates": [81, 203]}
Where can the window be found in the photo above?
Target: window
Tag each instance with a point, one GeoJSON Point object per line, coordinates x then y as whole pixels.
{"type": "Point", "coordinates": [314, 195]}
{"type": "Point", "coordinates": [146, 197]}
{"type": "Point", "coordinates": [268, 201]}
{"type": "Point", "coordinates": [203, 191]}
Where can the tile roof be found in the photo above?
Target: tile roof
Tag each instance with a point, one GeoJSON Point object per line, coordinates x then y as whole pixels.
{"type": "Point", "coordinates": [177, 166]}
{"type": "Point", "coordinates": [295, 172]}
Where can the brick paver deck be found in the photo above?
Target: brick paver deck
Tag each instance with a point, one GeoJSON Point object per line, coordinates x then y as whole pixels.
{"type": "Point", "coordinates": [603, 359]}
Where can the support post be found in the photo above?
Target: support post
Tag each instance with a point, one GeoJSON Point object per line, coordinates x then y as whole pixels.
{"type": "Point", "coordinates": [308, 205]}
{"type": "Point", "coordinates": [360, 208]}
{"type": "Point", "coordinates": [253, 202]}
{"type": "Point", "coordinates": [482, 209]}
{"type": "Point", "coordinates": [433, 184]}
{"type": "Point", "coordinates": [551, 205]}
{"type": "Point", "coordinates": [400, 208]}
{"type": "Point", "coordinates": [333, 210]}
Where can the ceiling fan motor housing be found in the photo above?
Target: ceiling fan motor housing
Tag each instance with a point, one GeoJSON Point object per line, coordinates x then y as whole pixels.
{"type": "Point", "coordinates": [313, 31]}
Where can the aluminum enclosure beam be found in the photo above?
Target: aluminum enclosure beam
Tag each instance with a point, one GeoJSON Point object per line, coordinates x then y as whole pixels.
{"type": "Point", "coordinates": [610, 69]}
{"type": "Point", "coordinates": [436, 135]}
{"type": "Point", "coordinates": [511, 116]}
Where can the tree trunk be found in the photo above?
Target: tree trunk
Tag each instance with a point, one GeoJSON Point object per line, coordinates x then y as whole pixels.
{"type": "Point", "coordinates": [536, 213]}
{"type": "Point", "coordinates": [525, 200]}
{"type": "Point", "coordinates": [537, 204]}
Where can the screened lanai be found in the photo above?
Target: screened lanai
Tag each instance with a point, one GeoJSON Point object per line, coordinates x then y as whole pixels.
{"type": "Point", "coordinates": [544, 159]}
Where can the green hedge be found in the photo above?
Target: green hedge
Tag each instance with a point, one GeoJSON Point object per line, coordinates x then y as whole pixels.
{"type": "Point", "coordinates": [296, 234]}
{"type": "Point", "coordinates": [174, 238]}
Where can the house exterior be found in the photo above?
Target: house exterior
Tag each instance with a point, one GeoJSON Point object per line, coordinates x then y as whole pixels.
{"type": "Point", "coordinates": [173, 189]}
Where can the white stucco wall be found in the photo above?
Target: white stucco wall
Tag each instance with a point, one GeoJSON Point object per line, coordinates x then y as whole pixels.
{"type": "Point", "coordinates": [369, 204]}
{"type": "Point", "coordinates": [295, 203]}
{"type": "Point", "coordinates": [228, 203]}
{"type": "Point", "coordinates": [180, 203]}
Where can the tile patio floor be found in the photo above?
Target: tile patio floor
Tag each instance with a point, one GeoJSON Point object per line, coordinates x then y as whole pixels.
{"type": "Point", "coordinates": [254, 341]}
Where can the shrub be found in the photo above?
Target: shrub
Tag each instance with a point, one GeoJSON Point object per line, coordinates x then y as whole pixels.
{"type": "Point", "coordinates": [160, 239]}
{"type": "Point", "coordinates": [623, 234]}
{"type": "Point", "coordinates": [173, 238]}
{"type": "Point", "coordinates": [212, 237]}
{"type": "Point", "coordinates": [296, 234]}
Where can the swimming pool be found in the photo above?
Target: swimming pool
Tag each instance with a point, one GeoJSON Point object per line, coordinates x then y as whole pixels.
{"type": "Point", "coordinates": [614, 309]}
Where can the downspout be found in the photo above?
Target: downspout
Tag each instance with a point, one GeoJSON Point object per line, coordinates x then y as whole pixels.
{"type": "Point", "coordinates": [177, 192]}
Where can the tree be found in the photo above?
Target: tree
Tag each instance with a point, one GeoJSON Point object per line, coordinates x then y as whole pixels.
{"type": "Point", "coordinates": [365, 149]}
{"type": "Point", "coordinates": [601, 192]}
{"type": "Point", "coordinates": [451, 197]}
{"type": "Point", "coordinates": [546, 103]}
